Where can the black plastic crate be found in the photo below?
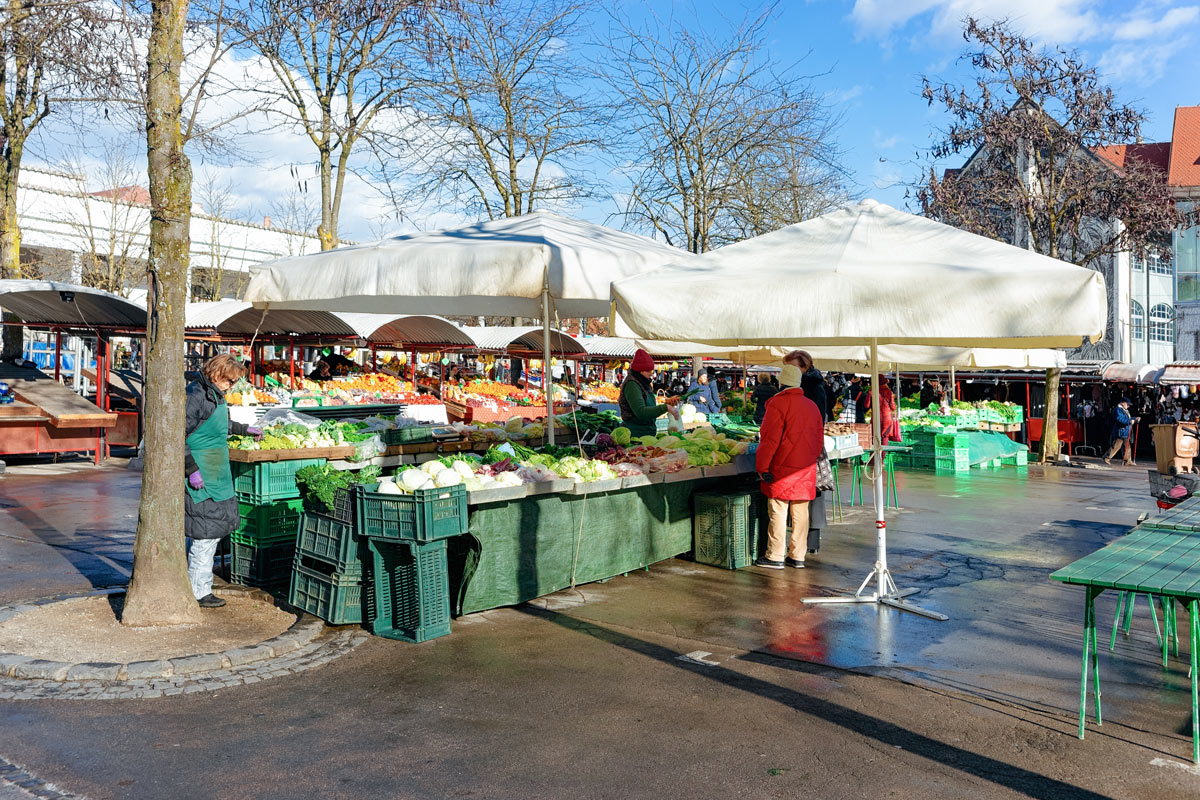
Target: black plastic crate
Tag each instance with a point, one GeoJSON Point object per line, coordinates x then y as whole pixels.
{"type": "Point", "coordinates": [265, 567]}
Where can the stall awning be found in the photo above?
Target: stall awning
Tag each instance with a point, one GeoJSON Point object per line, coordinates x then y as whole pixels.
{"type": "Point", "coordinates": [231, 317]}
{"type": "Point", "coordinates": [1181, 373]}
{"type": "Point", "coordinates": [418, 330]}
{"type": "Point", "coordinates": [1119, 372]}
{"type": "Point", "coordinates": [66, 304]}
{"type": "Point", "coordinates": [525, 340]}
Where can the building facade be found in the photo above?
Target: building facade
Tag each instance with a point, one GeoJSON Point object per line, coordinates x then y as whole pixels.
{"type": "Point", "coordinates": [101, 238]}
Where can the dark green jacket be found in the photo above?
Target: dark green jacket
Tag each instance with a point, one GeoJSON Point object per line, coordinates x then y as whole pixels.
{"type": "Point", "coordinates": [638, 411]}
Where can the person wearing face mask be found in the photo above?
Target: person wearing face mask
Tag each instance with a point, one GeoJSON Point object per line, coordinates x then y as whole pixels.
{"type": "Point", "coordinates": [637, 402]}
{"type": "Point", "coordinates": [210, 507]}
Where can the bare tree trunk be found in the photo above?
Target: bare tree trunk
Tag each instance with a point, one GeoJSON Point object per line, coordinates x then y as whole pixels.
{"type": "Point", "coordinates": [10, 249]}
{"type": "Point", "coordinates": [159, 591]}
{"type": "Point", "coordinates": [1050, 444]}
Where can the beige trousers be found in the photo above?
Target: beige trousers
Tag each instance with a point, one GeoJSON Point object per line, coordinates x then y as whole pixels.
{"type": "Point", "coordinates": [1117, 446]}
{"type": "Point", "coordinates": [777, 539]}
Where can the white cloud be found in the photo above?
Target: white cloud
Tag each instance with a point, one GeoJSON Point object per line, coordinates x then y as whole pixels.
{"type": "Point", "coordinates": [1139, 64]}
{"type": "Point", "coordinates": [1172, 24]}
{"type": "Point", "coordinates": [846, 95]}
{"type": "Point", "coordinates": [882, 143]}
{"type": "Point", "coordinates": [1059, 20]}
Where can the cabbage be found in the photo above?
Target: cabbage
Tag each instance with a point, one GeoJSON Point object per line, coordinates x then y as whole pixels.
{"type": "Point", "coordinates": [463, 468]}
{"type": "Point", "coordinates": [432, 467]}
{"type": "Point", "coordinates": [388, 487]}
{"type": "Point", "coordinates": [447, 478]}
{"type": "Point", "coordinates": [514, 425]}
{"type": "Point", "coordinates": [413, 479]}
{"type": "Point", "coordinates": [622, 436]}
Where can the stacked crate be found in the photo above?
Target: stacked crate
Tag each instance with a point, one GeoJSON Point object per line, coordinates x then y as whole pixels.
{"type": "Point", "coordinates": [951, 452]}
{"type": "Point", "coordinates": [264, 544]}
{"type": "Point", "coordinates": [327, 575]}
{"type": "Point", "coordinates": [725, 529]}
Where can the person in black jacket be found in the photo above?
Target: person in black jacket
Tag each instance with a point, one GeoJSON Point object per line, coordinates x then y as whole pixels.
{"type": "Point", "coordinates": [812, 384]}
{"type": "Point", "coordinates": [210, 510]}
{"type": "Point", "coordinates": [763, 391]}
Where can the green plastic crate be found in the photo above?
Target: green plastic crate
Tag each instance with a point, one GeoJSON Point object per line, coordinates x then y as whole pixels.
{"type": "Point", "coordinates": [330, 540]}
{"type": "Point", "coordinates": [952, 441]}
{"type": "Point", "coordinates": [332, 596]}
{"type": "Point", "coordinates": [1019, 459]}
{"type": "Point", "coordinates": [418, 434]}
{"type": "Point", "coordinates": [409, 597]}
{"type": "Point", "coordinates": [952, 452]}
{"type": "Point", "coordinates": [952, 463]}
{"type": "Point", "coordinates": [424, 516]}
{"type": "Point", "coordinates": [921, 461]}
{"type": "Point", "coordinates": [265, 567]}
{"type": "Point", "coordinates": [725, 529]}
{"type": "Point", "coordinates": [269, 523]}
{"type": "Point", "coordinates": [266, 481]}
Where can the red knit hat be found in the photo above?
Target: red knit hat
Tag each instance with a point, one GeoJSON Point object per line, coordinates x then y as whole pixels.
{"type": "Point", "coordinates": [642, 362]}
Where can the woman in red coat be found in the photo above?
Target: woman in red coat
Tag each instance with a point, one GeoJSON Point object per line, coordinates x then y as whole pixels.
{"type": "Point", "coordinates": [889, 425]}
{"type": "Point", "coordinates": [790, 442]}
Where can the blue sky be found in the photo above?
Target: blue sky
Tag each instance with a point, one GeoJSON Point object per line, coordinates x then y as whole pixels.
{"type": "Point", "coordinates": [877, 50]}
{"type": "Point", "coordinates": [868, 57]}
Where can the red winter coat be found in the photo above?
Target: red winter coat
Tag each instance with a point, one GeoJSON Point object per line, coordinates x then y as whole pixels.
{"type": "Point", "coordinates": [889, 426]}
{"type": "Point", "coordinates": [790, 442]}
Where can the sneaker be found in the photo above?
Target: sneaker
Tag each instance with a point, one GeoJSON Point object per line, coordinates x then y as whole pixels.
{"type": "Point", "coordinates": [767, 563]}
{"type": "Point", "coordinates": [210, 601]}
{"type": "Point", "coordinates": [795, 562]}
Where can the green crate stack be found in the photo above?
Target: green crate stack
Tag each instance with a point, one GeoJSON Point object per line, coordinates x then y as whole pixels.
{"type": "Point", "coordinates": [957, 461]}
{"type": "Point", "coordinates": [267, 567]}
{"type": "Point", "coordinates": [335, 597]}
{"type": "Point", "coordinates": [1018, 459]}
{"type": "Point", "coordinates": [952, 441]}
{"type": "Point", "coordinates": [266, 481]}
{"type": "Point", "coordinates": [409, 592]}
{"type": "Point", "coordinates": [921, 461]}
{"type": "Point", "coordinates": [725, 529]}
{"type": "Point", "coordinates": [424, 516]}
{"type": "Point", "coordinates": [418, 434]}
{"type": "Point", "coordinates": [269, 523]}
{"type": "Point", "coordinates": [329, 540]}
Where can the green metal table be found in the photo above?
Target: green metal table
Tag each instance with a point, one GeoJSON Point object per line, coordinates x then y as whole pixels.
{"type": "Point", "coordinates": [1183, 517]}
{"type": "Point", "coordinates": [1150, 560]}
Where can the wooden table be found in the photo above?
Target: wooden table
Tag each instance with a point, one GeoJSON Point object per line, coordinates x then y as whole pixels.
{"type": "Point", "coordinates": [1157, 562]}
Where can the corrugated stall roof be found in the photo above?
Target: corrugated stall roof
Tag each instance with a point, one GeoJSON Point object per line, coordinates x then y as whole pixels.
{"type": "Point", "coordinates": [409, 329]}
{"type": "Point", "coordinates": [1181, 373]}
{"type": "Point", "coordinates": [525, 340]}
{"type": "Point", "coordinates": [235, 317]}
{"type": "Point", "coordinates": [44, 302]}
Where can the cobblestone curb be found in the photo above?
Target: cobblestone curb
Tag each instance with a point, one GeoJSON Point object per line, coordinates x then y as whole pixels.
{"type": "Point", "coordinates": [34, 786]}
{"type": "Point", "coordinates": [307, 644]}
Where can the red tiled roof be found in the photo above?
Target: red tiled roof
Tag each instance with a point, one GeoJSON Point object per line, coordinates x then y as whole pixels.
{"type": "Point", "coordinates": [1157, 154]}
{"type": "Point", "coordinates": [1185, 150]}
{"type": "Point", "coordinates": [127, 194]}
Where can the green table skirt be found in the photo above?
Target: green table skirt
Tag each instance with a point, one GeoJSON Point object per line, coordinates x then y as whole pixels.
{"type": "Point", "coordinates": [527, 548]}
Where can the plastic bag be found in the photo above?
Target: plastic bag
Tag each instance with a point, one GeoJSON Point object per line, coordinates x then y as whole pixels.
{"type": "Point", "coordinates": [287, 416]}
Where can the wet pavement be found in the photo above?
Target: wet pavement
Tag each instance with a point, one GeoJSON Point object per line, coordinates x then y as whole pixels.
{"type": "Point", "coordinates": [585, 692]}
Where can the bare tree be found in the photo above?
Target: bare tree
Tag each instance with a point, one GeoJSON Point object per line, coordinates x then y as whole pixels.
{"type": "Point", "coordinates": [504, 118]}
{"type": "Point", "coordinates": [298, 214]}
{"type": "Point", "coordinates": [711, 123]}
{"type": "Point", "coordinates": [159, 592]}
{"type": "Point", "coordinates": [109, 220]}
{"type": "Point", "coordinates": [338, 65]}
{"type": "Point", "coordinates": [1036, 124]}
{"type": "Point", "coordinates": [217, 200]}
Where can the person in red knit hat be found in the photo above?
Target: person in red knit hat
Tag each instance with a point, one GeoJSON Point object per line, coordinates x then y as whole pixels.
{"type": "Point", "coordinates": [638, 409]}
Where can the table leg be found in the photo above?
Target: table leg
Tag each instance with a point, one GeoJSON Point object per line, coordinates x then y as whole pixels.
{"type": "Point", "coordinates": [1129, 613]}
{"type": "Point", "coordinates": [837, 494]}
{"type": "Point", "coordinates": [1194, 620]}
{"type": "Point", "coordinates": [1121, 599]}
{"type": "Point", "coordinates": [1096, 657]}
{"type": "Point", "coordinates": [1166, 639]}
{"type": "Point", "coordinates": [1089, 625]}
{"type": "Point", "coordinates": [1154, 616]}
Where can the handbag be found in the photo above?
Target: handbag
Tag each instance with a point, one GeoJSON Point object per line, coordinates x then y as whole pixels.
{"type": "Point", "coordinates": [824, 472]}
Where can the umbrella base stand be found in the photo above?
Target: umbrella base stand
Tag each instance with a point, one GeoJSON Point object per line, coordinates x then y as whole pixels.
{"type": "Point", "coordinates": [892, 596]}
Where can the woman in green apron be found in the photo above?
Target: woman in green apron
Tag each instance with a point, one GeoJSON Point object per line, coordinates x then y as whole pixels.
{"type": "Point", "coordinates": [210, 506]}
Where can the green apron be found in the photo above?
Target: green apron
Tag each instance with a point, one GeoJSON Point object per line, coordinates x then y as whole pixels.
{"type": "Point", "coordinates": [209, 446]}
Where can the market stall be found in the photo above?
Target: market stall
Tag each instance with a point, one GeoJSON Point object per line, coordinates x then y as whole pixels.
{"type": "Point", "coordinates": [867, 274]}
{"type": "Point", "coordinates": [45, 415]}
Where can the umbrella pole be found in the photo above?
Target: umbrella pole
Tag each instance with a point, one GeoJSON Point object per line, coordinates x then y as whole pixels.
{"type": "Point", "coordinates": [547, 376]}
{"type": "Point", "coordinates": [886, 591]}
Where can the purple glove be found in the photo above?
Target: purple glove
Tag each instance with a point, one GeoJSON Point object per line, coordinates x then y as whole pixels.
{"type": "Point", "coordinates": [195, 481]}
{"type": "Point", "coordinates": [254, 431]}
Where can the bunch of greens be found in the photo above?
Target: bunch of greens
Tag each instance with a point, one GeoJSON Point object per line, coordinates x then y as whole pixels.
{"type": "Point", "coordinates": [319, 483]}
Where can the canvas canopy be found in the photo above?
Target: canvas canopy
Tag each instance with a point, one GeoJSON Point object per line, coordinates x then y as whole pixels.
{"type": "Point", "coordinates": [867, 272]}
{"type": "Point", "coordinates": [53, 303]}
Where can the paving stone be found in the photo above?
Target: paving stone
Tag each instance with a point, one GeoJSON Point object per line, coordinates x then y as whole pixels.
{"type": "Point", "coordinates": [281, 646]}
{"type": "Point", "coordinates": [249, 655]}
{"type": "Point", "coordinates": [10, 660]}
{"type": "Point", "coordinates": [94, 671]}
{"type": "Point", "coordinates": [188, 665]}
{"type": "Point", "coordinates": [141, 670]}
{"type": "Point", "coordinates": [41, 668]}
{"type": "Point", "coordinates": [193, 688]}
{"type": "Point", "coordinates": [173, 691]}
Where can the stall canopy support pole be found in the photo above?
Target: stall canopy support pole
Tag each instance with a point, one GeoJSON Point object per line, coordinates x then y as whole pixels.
{"type": "Point", "coordinates": [292, 364]}
{"type": "Point", "coordinates": [547, 374]}
{"type": "Point", "coordinates": [886, 592]}
{"type": "Point", "coordinates": [951, 387]}
{"type": "Point", "coordinates": [57, 353]}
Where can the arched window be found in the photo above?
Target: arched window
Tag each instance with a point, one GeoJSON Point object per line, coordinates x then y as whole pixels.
{"type": "Point", "coordinates": [1137, 320]}
{"type": "Point", "coordinates": [1162, 323]}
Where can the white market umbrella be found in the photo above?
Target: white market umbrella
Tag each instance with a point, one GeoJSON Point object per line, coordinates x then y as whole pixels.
{"type": "Point", "coordinates": [868, 273]}
{"type": "Point", "coordinates": [539, 265]}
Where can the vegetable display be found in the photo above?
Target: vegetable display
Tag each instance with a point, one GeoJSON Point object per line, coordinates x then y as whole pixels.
{"type": "Point", "coordinates": [293, 436]}
{"type": "Point", "coordinates": [319, 483]}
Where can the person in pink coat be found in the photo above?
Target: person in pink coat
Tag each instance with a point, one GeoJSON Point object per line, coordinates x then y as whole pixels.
{"type": "Point", "coordinates": [791, 439]}
{"type": "Point", "coordinates": [889, 425]}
